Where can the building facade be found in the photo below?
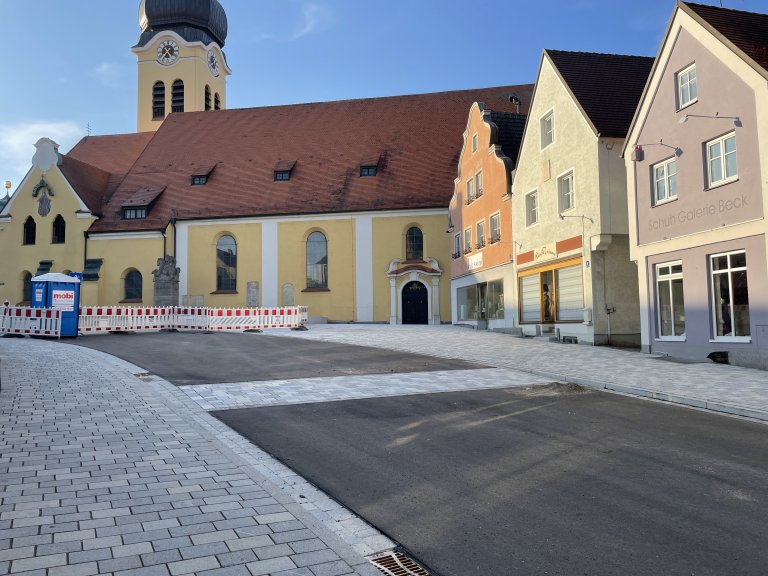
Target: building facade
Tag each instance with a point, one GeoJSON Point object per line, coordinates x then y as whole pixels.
{"type": "Point", "coordinates": [480, 226]}
{"type": "Point", "coordinates": [575, 280]}
{"type": "Point", "coordinates": [697, 182]}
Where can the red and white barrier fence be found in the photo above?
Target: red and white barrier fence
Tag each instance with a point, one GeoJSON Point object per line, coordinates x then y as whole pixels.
{"type": "Point", "coordinates": [94, 319]}
{"type": "Point", "coordinates": [30, 321]}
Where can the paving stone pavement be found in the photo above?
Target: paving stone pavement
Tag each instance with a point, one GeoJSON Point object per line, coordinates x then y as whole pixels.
{"type": "Point", "coordinates": [717, 387]}
{"type": "Point", "coordinates": [106, 472]}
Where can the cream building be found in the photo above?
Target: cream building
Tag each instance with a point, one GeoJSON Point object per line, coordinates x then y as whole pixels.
{"type": "Point", "coordinates": [569, 213]}
{"type": "Point", "coordinates": [340, 206]}
{"type": "Point", "coordinates": [698, 187]}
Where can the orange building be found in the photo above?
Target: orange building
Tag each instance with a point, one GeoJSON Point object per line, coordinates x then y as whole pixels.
{"type": "Point", "coordinates": [480, 216]}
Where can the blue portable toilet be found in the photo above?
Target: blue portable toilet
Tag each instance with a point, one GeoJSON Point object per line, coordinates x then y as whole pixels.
{"type": "Point", "coordinates": [60, 292]}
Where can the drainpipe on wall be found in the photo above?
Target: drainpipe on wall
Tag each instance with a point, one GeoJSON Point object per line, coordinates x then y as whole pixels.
{"type": "Point", "coordinates": [85, 249]}
{"type": "Point", "coordinates": [173, 223]}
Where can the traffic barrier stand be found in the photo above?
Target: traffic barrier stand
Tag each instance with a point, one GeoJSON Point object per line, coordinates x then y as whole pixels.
{"type": "Point", "coordinates": [30, 321]}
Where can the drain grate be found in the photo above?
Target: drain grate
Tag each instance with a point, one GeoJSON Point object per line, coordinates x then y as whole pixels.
{"type": "Point", "coordinates": [398, 564]}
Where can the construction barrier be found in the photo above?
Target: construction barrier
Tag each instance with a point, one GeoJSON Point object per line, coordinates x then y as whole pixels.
{"type": "Point", "coordinates": [95, 319]}
{"type": "Point", "coordinates": [30, 321]}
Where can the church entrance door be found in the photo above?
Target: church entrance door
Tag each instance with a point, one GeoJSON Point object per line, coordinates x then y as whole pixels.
{"type": "Point", "coordinates": [415, 303]}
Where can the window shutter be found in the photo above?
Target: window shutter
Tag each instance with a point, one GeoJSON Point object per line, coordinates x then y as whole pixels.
{"type": "Point", "coordinates": [570, 299]}
{"type": "Point", "coordinates": [531, 297]}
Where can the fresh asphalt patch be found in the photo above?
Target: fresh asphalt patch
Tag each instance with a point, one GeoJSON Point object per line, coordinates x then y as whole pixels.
{"type": "Point", "coordinates": [186, 358]}
{"type": "Point", "coordinates": [545, 480]}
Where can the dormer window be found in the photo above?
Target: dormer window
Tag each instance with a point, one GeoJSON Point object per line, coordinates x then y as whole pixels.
{"type": "Point", "coordinates": [200, 180]}
{"type": "Point", "coordinates": [367, 171]}
{"type": "Point", "coordinates": [138, 206]}
{"type": "Point", "coordinates": [282, 175]}
{"type": "Point", "coordinates": [283, 170]}
{"type": "Point", "coordinates": [135, 213]}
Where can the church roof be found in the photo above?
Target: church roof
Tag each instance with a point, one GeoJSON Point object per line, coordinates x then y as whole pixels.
{"type": "Point", "coordinates": [417, 140]}
{"type": "Point", "coordinates": [194, 20]}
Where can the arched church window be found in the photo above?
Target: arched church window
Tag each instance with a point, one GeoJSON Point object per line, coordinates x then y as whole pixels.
{"type": "Point", "coordinates": [177, 96]}
{"type": "Point", "coordinates": [317, 261]}
{"type": "Point", "coordinates": [132, 285]}
{"type": "Point", "coordinates": [414, 244]}
{"type": "Point", "coordinates": [30, 231]}
{"type": "Point", "coordinates": [158, 101]}
{"type": "Point", "coordinates": [226, 264]}
{"type": "Point", "coordinates": [59, 232]}
{"type": "Point", "coordinates": [216, 102]}
{"type": "Point", "coordinates": [207, 98]}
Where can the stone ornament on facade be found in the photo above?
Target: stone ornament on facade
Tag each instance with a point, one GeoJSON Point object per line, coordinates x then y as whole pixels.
{"type": "Point", "coordinates": [166, 270]}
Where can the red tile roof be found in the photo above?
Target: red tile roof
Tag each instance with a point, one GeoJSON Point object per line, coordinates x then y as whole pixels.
{"type": "Point", "coordinates": [748, 31]}
{"type": "Point", "coordinates": [114, 153]}
{"type": "Point", "coordinates": [607, 86]}
{"type": "Point", "coordinates": [416, 138]}
{"type": "Point", "coordinates": [88, 181]}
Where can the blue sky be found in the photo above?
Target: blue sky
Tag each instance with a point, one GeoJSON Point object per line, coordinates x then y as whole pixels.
{"type": "Point", "coordinates": [68, 63]}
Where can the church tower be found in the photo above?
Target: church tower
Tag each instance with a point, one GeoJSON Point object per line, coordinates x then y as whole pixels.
{"type": "Point", "coordinates": [182, 67]}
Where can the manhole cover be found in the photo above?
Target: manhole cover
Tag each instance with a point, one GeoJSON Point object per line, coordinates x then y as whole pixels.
{"type": "Point", "coordinates": [397, 564]}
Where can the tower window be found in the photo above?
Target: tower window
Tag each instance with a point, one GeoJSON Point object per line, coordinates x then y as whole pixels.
{"type": "Point", "coordinates": [158, 101]}
{"type": "Point", "coordinates": [207, 98]}
{"type": "Point", "coordinates": [216, 102]}
{"type": "Point", "coordinates": [177, 96]}
{"type": "Point", "coordinates": [59, 230]}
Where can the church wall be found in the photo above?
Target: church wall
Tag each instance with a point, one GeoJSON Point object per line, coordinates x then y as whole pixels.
{"type": "Point", "coordinates": [15, 257]}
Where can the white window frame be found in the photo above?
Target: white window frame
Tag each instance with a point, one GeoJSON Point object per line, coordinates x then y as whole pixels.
{"type": "Point", "coordinates": [683, 79]}
{"type": "Point", "coordinates": [714, 303]}
{"type": "Point", "coordinates": [666, 177]}
{"type": "Point", "coordinates": [480, 234]}
{"type": "Point", "coordinates": [470, 190]}
{"type": "Point", "coordinates": [532, 222]}
{"type": "Point", "coordinates": [721, 160]}
{"type": "Point", "coordinates": [467, 240]}
{"type": "Point", "coordinates": [566, 176]}
{"type": "Point", "coordinates": [457, 245]}
{"type": "Point", "coordinates": [667, 279]}
{"type": "Point", "coordinates": [549, 116]}
{"type": "Point", "coordinates": [474, 142]}
{"type": "Point", "coordinates": [496, 216]}
{"type": "Point", "coordinates": [479, 184]}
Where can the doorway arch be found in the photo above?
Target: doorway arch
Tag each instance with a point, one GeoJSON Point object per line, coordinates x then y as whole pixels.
{"type": "Point", "coordinates": [415, 303]}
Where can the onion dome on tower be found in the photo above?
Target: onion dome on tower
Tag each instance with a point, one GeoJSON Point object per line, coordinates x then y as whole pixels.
{"type": "Point", "coordinates": [194, 20]}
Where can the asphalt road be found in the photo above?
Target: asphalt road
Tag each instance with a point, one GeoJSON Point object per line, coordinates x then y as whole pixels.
{"type": "Point", "coordinates": [186, 358]}
{"type": "Point", "coordinates": [551, 480]}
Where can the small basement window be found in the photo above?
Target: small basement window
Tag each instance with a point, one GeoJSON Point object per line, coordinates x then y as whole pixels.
{"type": "Point", "coordinates": [367, 171]}
{"type": "Point", "coordinates": [282, 175]}
{"type": "Point", "coordinates": [135, 213]}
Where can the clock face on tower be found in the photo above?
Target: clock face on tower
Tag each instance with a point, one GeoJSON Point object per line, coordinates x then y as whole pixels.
{"type": "Point", "coordinates": [167, 52]}
{"type": "Point", "coordinates": [213, 63]}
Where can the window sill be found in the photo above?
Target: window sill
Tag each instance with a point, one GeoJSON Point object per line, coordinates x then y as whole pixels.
{"type": "Point", "coordinates": [720, 183]}
{"type": "Point", "coordinates": [224, 292]}
{"type": "Point", "coordinates": [671, 339]}
{"type": "Point", "coordinates": [131, 301]}
{"type": "Point", "coordinates": [665, 201]}
{"type": "Point", "coordinates": [316, 290]}
{"type": "Point", "coordinates": [688, 104]}
{"type": "Point", "coordinates": [733, 339]}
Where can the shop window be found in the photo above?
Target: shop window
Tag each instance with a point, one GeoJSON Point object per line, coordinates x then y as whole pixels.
{"type": "Point", "coordinates": [730, 297]}
{"type": "Point", "coordinates": [317, 261]}
{"type": "Point", "coordinates": [670, 302]}
{"type": "Point", "coordinates": [495, 297]}
{"type": "Point", "coordinates": [226, 264]}
{"type": "Point", "coordinates": [414, 244]}
{"type": "Point", "coordinates": [554, 294]}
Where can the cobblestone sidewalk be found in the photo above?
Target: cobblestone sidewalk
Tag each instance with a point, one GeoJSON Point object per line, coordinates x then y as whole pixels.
{"type": "Point", "coordinates": [102, 472]}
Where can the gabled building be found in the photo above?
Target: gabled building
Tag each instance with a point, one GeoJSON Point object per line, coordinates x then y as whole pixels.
{"type": "Point", "coordinates": [698, 185]}
{"type": "Point", "coordinates": [480, 224]}
{"type": "Point", "coordinates": [569, 213]}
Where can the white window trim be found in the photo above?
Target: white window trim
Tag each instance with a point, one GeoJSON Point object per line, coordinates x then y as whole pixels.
{"type": "Point", "coordinates": [477, 235]}
{"type": "Point", "coordinates": [466, 244]}
{"type": "Point", "coordinates": [659, 337]}
{"type": "Point", "coordinates": [665, 163]}
{"type": "Point", "coordinates": [713, 304]}
{"type": "Point", "coordinates": [474, 142]}
{"type": "Point", "coordinates": [573, 190]}
{"type": "Point", "coordinates": [525, 208]}
{"type": "Point", "coordinates": [479, 191]}
{"type": "Point", "coordinates": [457, 237]}
{"type": "Point", "coordinates": [680, 104]}
{"type": "Point", "coordinates": [490, 227]}
{"type": "Point", "coordinates": [550, 112]}
{"type": "Point", "coordinates": [728, 179]}
{"type": "Point", "coordinates": [470, 190]}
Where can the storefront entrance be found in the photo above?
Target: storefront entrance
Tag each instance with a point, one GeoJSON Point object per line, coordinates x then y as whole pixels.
{"type": "Point", "coordinates": [415, 301]}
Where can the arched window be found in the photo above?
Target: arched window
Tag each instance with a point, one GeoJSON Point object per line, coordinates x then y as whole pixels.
{"type": "Point", "coordinates": [132, 285]}
{"type": "Point", "coordinates": [216, 102]}
{"type": "Point", "coordinates": [317, 261]}
{"type": "Point", "coordinates": [414, 244]}
{"type": "Point", "coordinates": [158, 101]}
{"type": "Point", "coordinates": [207, 98]}
{"type": "Point", "coordinates": [26, 287]}
{"type": "Point", "coordinates": [30, 231]}
{"type": "Point", "coordinates": [226, 264]}
{"type": "Point", "coordinates": [59, 233]}
{"type": "Point", "coordinates": [177, 96]}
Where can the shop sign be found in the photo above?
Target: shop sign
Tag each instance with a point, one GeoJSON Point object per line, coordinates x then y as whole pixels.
{"type": "Point", "coordinates": [545, 252]}
{"type": "Point", "coordinates": [63, 300]}
{"type": "Point", "coordinates": [475, 261]}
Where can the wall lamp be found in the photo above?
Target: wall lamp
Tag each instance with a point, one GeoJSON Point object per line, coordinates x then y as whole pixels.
{"type": "Point", "coordinates": [736, 119]}
{"type": "Point", "coordinates": [638, 155]}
